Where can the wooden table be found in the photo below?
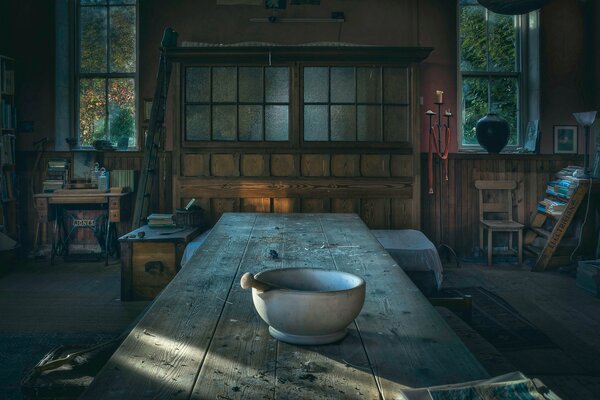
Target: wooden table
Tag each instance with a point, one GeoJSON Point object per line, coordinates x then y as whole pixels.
{"type": "Point", "coordinates": [114, 204]}
{"type": "Point", "coordinates": [202, 338]}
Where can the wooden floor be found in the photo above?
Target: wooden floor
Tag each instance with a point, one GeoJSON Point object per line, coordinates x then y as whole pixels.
{"type": "Point", "coordinates": [36, 298]}
{"type": "Point", "coordinates": [552, 302]}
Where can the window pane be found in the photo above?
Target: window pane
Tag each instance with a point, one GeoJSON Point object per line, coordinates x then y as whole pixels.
{"type": "Point", "coordinates": [224, 84]}
{"type": "Point", "coordinates": [92, 36]}
{"type": "Point", "coordinates": [122, 39]}
{"type": "Point", "coordinates": [251, 84]}
{"type": "Point", "coordinates": [251, 122]}
{"type": "Point", "coordinates": [343, 123]}
{"type": "Point", "coordinates": [121, 1]}
{"type": "Point", "coordinates": [342, 85]}
{"type": "Point", "coordinates": [503, 42]}
{"type": "Point", "coordinates": [316, 123]}
{"type": "Point", "coordinates": [92, 2]}
{"type": "Point", "coordinates": [475, 106]}
{"type": "Point", "coordinates": [395, 123]}
{"type": "Point", "coordinates": [121, 110]}
{"type": "Point", "coordinates": [197, 122]}
{"type": "Point", "coordinates": [505, 102]}
{"type": "Point", "coordinates": [316, 85]}
{"type": "Point", "coordinates": [277, 85]}
{"type": "Point", "coordinates": [369, 123]}
{"type": "Point", "coordinates": [224, 122]}
{"type": "Point", "coordinates": [395, 85]}
{"type": "Point", "coordinates": [197, 84]}
{"type": "Point", "coordinates": [473, 45]}
{"type": "Point", "coordinates": [92, 110]}
{"type": "Point", "coordinates": [276, 123]}
{"type": "Point", "coordinates": [368, 82]}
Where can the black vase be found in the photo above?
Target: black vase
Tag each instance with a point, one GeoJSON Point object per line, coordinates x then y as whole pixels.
{"type": "Point", "coordinates": [492, 133]}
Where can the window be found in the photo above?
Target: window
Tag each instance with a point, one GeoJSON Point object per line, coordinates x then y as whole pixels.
{"type": "Point", "coordinates": [225, 103]}
{"type": "Point", "coordinates": [490, 69]}
{"type": "Point", "coordinates": [237, 103]}
{"type": "Point", "coordinates": [356, 104]}
{"type": "Point", "coordinates": [106, 71]}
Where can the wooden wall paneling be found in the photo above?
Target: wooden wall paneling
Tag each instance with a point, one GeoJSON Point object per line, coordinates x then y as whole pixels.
{"type": "Point", "coordinates": [223, 205]}
{"type": "Point", "coordinates": [195, 164]}
{"type": "Point", "coordinates": [401, 214]}
{"type": "Point", "coordinates": [225, 165]}
{"type": "Point", "coordinates": [256, 204]}
{"type": "Point", "coordinates": [345, 205]}
{"type": "Point", "coordinates": [375, 165]}
{"type": "Point", "coordinates": [285, 205]}
{"type": "Point", "coordinates": [315, 165]}
{"type": "Point", "coordinates": [321, 205]}
{"type": "Point", "coordinates": [284, 165]}
{"type": "Point", "coordinates": [345, 165]}
{"type": "Point", "coordinates": [402, 165]}
{"type": "Point", "coordinates": [255, 164]}
{"type": "Point", "coordinates": [375, 213]}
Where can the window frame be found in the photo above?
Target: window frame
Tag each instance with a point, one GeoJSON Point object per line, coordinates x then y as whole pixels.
{"type": "Point", "coordinates": [296, 104]}
{"type": "Point", "coordinates": [106, 76]}
{"type": "Point", "coordinates": [520, 74]}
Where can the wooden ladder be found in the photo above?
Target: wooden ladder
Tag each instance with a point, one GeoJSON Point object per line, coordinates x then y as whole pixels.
{"type": "Point", "coordinates": [546, 256]}
{"type": "Point", "coordinates": [155, 131]}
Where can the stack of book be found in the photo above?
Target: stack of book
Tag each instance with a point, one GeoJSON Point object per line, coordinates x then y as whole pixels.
{"type": "Point", "coordinates": [56, 175]}
{"type": "Point", "coordinates": [552, 207]}
{"type": "Point", "coordinates": [7, 149]}
{"type": "Point", "coordinates": [161, 221]}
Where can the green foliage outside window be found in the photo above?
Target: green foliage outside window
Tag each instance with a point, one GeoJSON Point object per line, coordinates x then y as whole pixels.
{"type": "Point", "coordinates": [490, 69]}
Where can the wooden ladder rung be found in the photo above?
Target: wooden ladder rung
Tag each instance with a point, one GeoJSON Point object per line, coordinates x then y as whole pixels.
{"type": "Point", "coordinates": [541, 232]}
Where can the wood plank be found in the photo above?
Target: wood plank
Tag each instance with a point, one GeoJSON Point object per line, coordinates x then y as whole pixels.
{"type": "Point", "coordinates": [195, 164]}
{"type": "Point", "coordinates": [345, 205]}
{"type": "Point", "coordinates": [218, 206]}
{"type": "Point", "coordinates": [170, 342]}
{"type": "Point", "coordinates": [284, 165]}
{"type": "Point", "coordinates": [224, 165]}
{"type": "Point", "coordinates": [285, 205]}
{"type": "Point", "coordinates": [345, 165]}
{"type": "Point", "coordinates": [399, 187]}
{"type": "Point", "coordinates": [375, 213]}
{"type": "Point", "coordinates": [257, 204]}
{"type": "Point", "coordinates": [316, 205]}
{"type": "Point", "coordinates": [376, 165]}
{"type": "Point", "coordinates": [315, 165]}
{"type": "Point", "coordinates": [401, 165]}
{"type": "Point", "coordinates": [255, 164]}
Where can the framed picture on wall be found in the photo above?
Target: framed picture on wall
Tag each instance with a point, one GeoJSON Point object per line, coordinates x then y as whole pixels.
{"type": "Point", "coordinates": [565, 139]}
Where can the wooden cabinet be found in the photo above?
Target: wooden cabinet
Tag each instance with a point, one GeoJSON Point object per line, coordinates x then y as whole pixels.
{"type": "Point", "coordinates": [150, 258]}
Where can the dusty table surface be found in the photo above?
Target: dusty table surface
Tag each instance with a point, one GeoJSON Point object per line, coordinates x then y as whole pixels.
{"type": "Point", "coordinates": [202, 338]}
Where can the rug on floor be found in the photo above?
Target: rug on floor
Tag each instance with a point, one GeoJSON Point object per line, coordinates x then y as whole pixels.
{"type": "Point", "coordinates": [500, 323]}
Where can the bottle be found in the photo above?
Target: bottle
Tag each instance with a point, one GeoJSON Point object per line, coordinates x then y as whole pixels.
{"type": "Point", "coordinates": [103, 180]}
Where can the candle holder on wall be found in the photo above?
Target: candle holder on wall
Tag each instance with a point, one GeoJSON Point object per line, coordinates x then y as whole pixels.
{"type": "Point", "coordinates": [436, 131]}
{"type": "Point", "coordinates": [439, 141]}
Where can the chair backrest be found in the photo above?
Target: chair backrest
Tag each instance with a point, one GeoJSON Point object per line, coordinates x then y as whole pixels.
{"type": "Point", "coordinates": [504, 205]}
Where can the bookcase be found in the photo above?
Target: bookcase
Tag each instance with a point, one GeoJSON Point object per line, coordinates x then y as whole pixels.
{"type": "Point", "coordinates": [8, 124]}
{"type": "Point", "coordinates": [560, 226]}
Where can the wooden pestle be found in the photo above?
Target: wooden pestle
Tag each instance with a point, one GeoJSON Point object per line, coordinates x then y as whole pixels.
{"type": "Point", "coordinates": [249, 281]}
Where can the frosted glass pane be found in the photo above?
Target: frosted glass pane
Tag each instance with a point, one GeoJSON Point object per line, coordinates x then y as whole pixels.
{"type": "Point", "coordinates": [93, 39]}
{"type": "Point", "coordinates": [122, 39]}
{"type": "Point", "coordinates": [197, 84]}
{"type": "Point", "coordinates": [343, 123]}
{"type": "Point", "coordinates": [276, 123]}
{"type": "Point", "coordinates": [224, 122]}
{"type": "Point", "coordinates": [197, 122]}
{"type": "Point", "coordinates": [251, 84]}
{"type": "Point", "coordinates": [395, 85]}
{"type": "Point", "coordinates": [277, 85]}
{"type": "Point", "coordinates": [224, 84]}
{"type": "Point", "coordinates": [316, 85]}
{"type": "Point", "coordinates": [92, 110]}
{"type": "Point", "coordinates": [369, 123]}
{"type": "Point", "coordinates": [368, 81]}
{"type": "Point", "coordinates": [316, 123]}
{"type": "Point", "coordinates": [342, 85]}
{"type": "Point", "coordinates": [251, 123]}
{"type": "Point", "coordinates": [395, 124]}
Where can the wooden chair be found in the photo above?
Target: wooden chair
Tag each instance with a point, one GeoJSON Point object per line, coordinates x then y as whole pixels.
{"type": "Point", "coordinates": [503, 206]}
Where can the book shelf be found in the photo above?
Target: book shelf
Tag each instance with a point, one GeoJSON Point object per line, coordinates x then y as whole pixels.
{"type": "Point", "coordinates": [556, 230]}
{"type": "Point", "coordinates": [8, 124]}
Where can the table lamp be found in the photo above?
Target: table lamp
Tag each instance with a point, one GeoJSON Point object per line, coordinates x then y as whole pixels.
{"type": "Point", "coordinates": [586, 119]}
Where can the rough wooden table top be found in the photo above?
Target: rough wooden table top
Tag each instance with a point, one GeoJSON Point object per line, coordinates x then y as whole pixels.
{"type": "Point", "coordinates": [202, 338]}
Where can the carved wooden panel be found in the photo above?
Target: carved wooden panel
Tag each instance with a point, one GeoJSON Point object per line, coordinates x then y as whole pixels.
{"type": "Point", "coordinates": [284, 165]}
{"type": "Point", "coordinates": [347, 205]}
{"type": "Point", "coordinates": [285, 205]}
{"type": "Point", "coordinates": [225, 164]}
{"type": "Point", "coordinates": [402, 165]}
{"type": "Point", "coordinates": [345, 165]}
{"type": "Point", "coordinates": [375, 165]}
{"type": "Point", "coordinates": [376, 213]}
{"type": "Point", "coordinates": [255, 165]}
{"type": "Point", "coordinates": [315, 205]}
{"type": "Point", "coordinates": [195, 164]}
{"type": "Point", "coordinates": [315, 165]}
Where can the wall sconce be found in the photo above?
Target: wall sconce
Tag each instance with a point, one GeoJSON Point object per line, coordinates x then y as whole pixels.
{"type": "Point", "coordinates": [586, 119]}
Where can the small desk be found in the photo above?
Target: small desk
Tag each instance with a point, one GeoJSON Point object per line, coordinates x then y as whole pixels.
{"type": "Point", "coordinates": [202, 338]}
{"type": "Point", "coordinates": [115, 205]}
